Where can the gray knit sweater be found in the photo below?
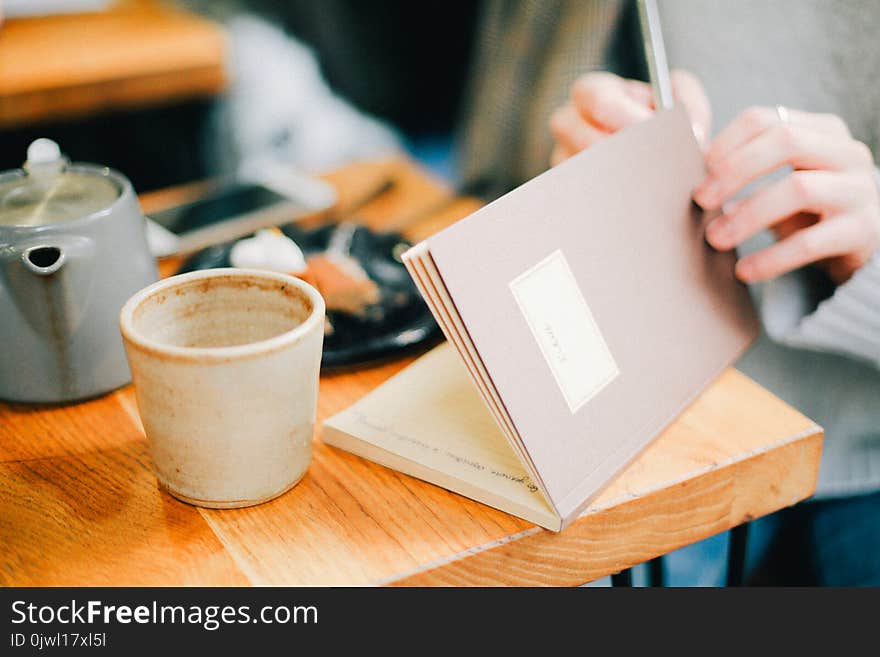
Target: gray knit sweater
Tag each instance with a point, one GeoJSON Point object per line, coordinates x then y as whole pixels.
{"type": "Point", "coordinates": [821, 350]}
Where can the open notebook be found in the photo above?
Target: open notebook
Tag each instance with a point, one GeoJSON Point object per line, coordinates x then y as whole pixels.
{"type": "Point", "coordinates": [584, 311]}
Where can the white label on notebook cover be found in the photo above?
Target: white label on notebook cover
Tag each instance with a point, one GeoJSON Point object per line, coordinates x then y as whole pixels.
{"type": "Point", "coordinates": [565, 330]}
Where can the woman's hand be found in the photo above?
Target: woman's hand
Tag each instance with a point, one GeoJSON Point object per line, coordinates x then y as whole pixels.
{"type": "Point", "coordinates": [826, 212]}
{"type": "Point", "coordinates": [603, 103]}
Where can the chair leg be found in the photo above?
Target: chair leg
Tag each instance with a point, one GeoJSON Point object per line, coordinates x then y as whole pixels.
{"type": "Point", "coordinates": [655, 572]}
{"type": "Point", "coordinates": [622, 579]}
{"type": "Point", "coordinates": [736, 555]}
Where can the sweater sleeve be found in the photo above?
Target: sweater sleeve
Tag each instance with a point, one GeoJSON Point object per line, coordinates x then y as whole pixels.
{"type": "Point", "coordinates": [846, 322]}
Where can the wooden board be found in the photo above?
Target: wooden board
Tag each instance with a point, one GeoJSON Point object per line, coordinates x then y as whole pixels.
{"type": "Point", "coordinates": [136, 54]}
{"type": "Point", "coordinates": [78, 504]}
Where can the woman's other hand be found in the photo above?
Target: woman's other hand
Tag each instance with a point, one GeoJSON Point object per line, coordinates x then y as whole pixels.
{"type": "Point", "coordinates": [827, 211]}
{"type": "Point", "coordinates": [602, 103]}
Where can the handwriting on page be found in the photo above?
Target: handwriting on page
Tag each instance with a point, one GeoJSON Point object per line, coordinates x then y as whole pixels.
{"type": "Point", "coordinates": [444, 452]}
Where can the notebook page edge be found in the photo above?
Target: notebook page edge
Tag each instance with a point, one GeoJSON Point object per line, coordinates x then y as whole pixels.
{"type": "Point", "coordinates": [413, 258]}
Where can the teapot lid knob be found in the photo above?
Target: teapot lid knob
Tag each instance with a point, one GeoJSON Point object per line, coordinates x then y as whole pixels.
{"type": "Point", "coordinates": [42, 151]}
{"type": "Point", "coordinates": [45, 161]}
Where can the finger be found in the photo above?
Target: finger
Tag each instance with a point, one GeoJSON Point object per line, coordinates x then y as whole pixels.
{"type": "Point", "coordinates": [745, 127]}
{"type": "Point", "coordinates": [802, 191]}
{"type": "Point", "coordinates": [639, 91]}
{"type": "Point", "coordinates": [832, 237]}
{"type": "Point", "coordinates": [688, 90]}
{"type": "Point", "coordinates": [828, 123]}
{"type": "Point", "coordinates": [559, 154]}
{"type": "Point", "coordinates": [755, 120]}
{"type": "Point", "coordinates": [571, 131]}
{"type": "Point", "coordinates": [784, 144]}
{"type": "Point", "coordinates": [606, 101]}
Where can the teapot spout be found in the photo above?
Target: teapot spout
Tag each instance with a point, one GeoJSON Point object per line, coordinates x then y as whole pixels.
{"type": "Point", "coordinates": [50, 280]}
{"type": "Point", "coordinates": [43, 260]}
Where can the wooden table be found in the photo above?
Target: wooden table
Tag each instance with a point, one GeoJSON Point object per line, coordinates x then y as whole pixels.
{"type": "Point", "coordinates": [79, 504]}
{"type": "Point", "coordinates": [136, 54]}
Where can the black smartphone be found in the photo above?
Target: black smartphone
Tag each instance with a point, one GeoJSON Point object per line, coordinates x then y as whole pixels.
{"type": "Point", "coordinates": [228, 210]}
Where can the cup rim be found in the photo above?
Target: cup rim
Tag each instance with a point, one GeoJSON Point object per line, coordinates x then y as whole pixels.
{"type": "Point", "coordinates": [216, 354]}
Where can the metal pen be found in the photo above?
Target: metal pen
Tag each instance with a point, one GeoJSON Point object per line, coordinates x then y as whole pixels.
{"type": "Point", "coordinates": [655, 54]}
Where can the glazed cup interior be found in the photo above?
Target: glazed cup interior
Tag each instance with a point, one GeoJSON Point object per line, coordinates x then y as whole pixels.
{"type": "Point", "coordinates": [219, 309]}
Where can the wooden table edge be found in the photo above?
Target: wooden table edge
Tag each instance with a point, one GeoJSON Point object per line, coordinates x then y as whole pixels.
{"type": "Point", "coordinates": [141, 91]}
{"type": "Point", "coordinates": [200, 73]}
{"type": "Point", "coordinates": [458, 569]}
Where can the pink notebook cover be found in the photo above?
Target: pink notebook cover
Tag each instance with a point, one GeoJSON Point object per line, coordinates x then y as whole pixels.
{"type": "Point", "coordinates": [595, 304]}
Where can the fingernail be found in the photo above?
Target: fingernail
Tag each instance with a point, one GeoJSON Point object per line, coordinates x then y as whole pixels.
{"type": "Point", "coordinates": [699, 133]}
{"type": "Point", "coordinates": [718, 233]}
{"type": "Point", "coordinates": [744, 271]}
{"type": "Point", "coordinates": [706, 193]}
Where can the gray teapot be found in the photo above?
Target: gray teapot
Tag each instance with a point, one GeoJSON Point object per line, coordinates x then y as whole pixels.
{"type": "Point", "coordinates": [73, 249]}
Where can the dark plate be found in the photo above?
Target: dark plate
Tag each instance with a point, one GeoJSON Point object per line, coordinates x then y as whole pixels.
{"type": "Point", "coordinates": [399, 322]}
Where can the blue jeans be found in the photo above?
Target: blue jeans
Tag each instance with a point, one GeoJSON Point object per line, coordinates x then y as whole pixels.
{"type": "Point", "coordinates": [833, 542]}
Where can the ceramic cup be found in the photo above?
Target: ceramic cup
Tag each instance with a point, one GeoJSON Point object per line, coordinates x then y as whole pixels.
{"type": "Point", "coordinates": [225, 365]}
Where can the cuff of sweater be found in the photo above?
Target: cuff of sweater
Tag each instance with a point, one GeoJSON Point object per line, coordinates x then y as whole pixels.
{"type": "Point", "coordinates": [847, 322]}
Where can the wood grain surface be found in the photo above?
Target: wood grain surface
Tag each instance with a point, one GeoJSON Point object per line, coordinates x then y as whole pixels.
{"type": "Point", "coordinates": [137, 53]}
{"type": "Point", "coordinates": [79, 504]}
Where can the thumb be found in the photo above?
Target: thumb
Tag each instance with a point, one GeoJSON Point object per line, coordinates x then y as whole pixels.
{"type": "Point", "coordinates": [688, 90]}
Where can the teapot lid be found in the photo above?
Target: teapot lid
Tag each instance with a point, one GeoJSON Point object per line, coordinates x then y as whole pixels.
{"type": "Point", "coordinates": [49, 190]}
